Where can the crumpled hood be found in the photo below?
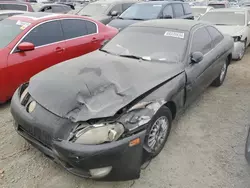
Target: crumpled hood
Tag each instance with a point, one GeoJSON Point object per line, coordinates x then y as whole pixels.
{"type": "Point", "coordinates": [121, 24]}
{"type": "Point", "coordinates": [231, 30]}
{"type": "Point", "coordinates": [97, 85]}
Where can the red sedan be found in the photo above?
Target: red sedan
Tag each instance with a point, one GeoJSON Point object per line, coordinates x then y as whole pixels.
{"type": "Point", "coordinates": [32, 42]}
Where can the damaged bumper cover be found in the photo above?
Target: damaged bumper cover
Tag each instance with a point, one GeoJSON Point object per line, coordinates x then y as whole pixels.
{"type": "Point", "coordinates": [238, 49]}
{"type": "Point", "coordinates": [117, 160]}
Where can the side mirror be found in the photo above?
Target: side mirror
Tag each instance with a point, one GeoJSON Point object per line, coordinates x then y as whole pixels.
{"type": "Point", "coordinates": [25, 46]}
{"type": "Point", "coordinates": [114, 13]}
{"type": "Point", "coordinates": [196, 57]}
{"type": "Point", "coordinates": [167, 17]}
{"type": "Point", "coordinates": [104, 42]}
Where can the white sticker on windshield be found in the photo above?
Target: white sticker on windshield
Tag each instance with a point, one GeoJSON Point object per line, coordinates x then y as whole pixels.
{"type": "Point", "coordinates": [157, 5]}
{"type": "Point", "coordinates": [174, 34]}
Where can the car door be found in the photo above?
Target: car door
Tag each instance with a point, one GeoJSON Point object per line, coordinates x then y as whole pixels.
{"type": "Point", "coordinates": [219, 58]}
{"type": "Point", "coordinates": [81, 37]}
{"type": "Point", "coordinates": [178, 10]}
{"type": "Point", "coordinates": [49, 50]}
{"type": "Point", "coordinates": [197, 73]}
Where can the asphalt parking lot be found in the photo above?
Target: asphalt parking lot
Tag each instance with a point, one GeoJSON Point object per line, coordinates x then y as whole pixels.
{"type": "Point", "coordinates": [205, 148]}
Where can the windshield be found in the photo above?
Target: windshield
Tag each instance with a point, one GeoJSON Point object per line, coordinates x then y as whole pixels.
{"type": "Point", "coordinates": [94, 9]}
{"type": "Point", "coordinates": [225, 18]}
{"type": "Point", "coordinates": [198, 11]}
{"type": "Point", "coordinates": [148, 43]}
{"type": "Point", "coordinates": [9, 29]}
{"type": "Point", "coordinates": [36, 6]}
{"type": "Point", "coordinates": [217, 5]}
{"type": "Point", "coordinates": [75, 11]}
{"type": "Point", "coordinates": [142, 11]}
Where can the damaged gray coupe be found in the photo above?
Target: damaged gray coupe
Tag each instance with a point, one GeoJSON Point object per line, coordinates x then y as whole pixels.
{"type": "Point", "coordinates": [103, 114]}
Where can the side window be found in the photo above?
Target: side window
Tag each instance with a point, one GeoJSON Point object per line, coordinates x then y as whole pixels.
{"type": "Point", "coordinates": [187, 8]}
{"type": "Point", "coordinates": [215, 35]}
{"type": "Point", "coordinates": [117, 7]}
{"type": "Point", "coordinates": [57, 9]}
{"type": "Point", "coordinates": [168, 11]}
{"type": "Point", "coordinates": [73, 28]}
{"type": "Point", "coordinates": [47, 9]}
{"type": "Point", "coordinates": [91, 27]}
{"type": "Point", "coordinates": [201, 41]}
{"type": "Point", "coordinates": [44, 34]}
{"type": "Point", "coordinates": [13, 7]}
{"type": "Point", "coordinates": [125, 6]}
{"type": "Point", "coordinates": [178, 10]}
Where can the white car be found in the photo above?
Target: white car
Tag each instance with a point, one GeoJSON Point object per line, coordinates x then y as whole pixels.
{"type": "Point", "coordinates": [234, 22]}
{"type": "Point", "coordinates": [199, 11]}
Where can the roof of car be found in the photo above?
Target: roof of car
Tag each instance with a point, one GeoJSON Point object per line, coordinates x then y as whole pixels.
{"type": "Point", "coordinates": [33, 17]}
{"type": "Point", "coordinates": [201, 7]}
{"type": "Point", "coordinates": [181, 24]}
{"type": "Point", "coordinates": [229, 9]}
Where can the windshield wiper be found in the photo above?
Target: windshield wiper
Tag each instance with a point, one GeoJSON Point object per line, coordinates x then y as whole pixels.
{"type": "Point", "coordinates": [136, 19]}
{"type": "Point", "coordinates": [221, 24]}
{"type": "Point", "coordinates": [105, 51]}
{"type": "Point", "coordinates": [135, 57]}
{"type": "Point", "coordinates": [120, 18]}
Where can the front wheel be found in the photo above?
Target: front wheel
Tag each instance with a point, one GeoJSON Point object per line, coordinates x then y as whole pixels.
{"type": "Point", "coordinates": [158, 132]}
{"type": "Point", "coordinates": [223, 72]}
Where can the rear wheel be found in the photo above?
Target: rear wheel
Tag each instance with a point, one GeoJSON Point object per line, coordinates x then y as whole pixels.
{"type": "Point", "coordinates": [223, 72]}
{"type": "Point", "coordinates": [158, 132]}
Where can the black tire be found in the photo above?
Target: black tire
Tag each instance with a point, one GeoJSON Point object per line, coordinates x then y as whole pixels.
{"type": "Point", "coordinates": [219, 81]}
{"type": "Point", "coordinates": [162, 112]}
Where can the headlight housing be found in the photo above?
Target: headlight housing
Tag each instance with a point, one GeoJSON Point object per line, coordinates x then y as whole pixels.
{"type": "Point", "coordinates": [99, 133]}
{"type": "Point", "coordinates": [237, 38]}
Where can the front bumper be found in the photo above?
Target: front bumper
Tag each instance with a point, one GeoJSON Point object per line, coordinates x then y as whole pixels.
{"type": "Point", "coordinates": [238, 49]}
{"type": "Point", "coordinates": [77, 158]}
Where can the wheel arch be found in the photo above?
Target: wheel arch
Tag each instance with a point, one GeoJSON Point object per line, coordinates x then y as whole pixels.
{"type": "Point", "coordinates": [172, 107]}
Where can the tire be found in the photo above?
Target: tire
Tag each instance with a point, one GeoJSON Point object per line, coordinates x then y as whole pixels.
{"type": "Point", "coordinates": [154, 132]}
{"type": "Point", "coordinates": [241, 55]}
{"type": "Point", "coordinates": [223, 72]}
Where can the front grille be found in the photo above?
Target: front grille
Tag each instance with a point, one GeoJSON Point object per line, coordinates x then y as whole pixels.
{"type": "Point", "coordinates": [39, 135]}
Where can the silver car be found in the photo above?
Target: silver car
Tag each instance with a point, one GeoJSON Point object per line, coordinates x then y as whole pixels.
{"type": "Point", "coordinates": [235, 22]}
{"type": "Point", "coordinates": [199, 11]}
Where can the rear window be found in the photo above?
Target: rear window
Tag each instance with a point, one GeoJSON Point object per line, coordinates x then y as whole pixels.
{"type": "Point", "coordinates": [187, 8]}
{"type": "Point", "coordinates": [6, 6]}
{"type": "Point", "coordinates": [9, 30]}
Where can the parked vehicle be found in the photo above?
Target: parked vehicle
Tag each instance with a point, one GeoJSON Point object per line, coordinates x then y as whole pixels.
{"type": "Point", "coordinates": [105, 11]}
{"type": "Point", "coordinates": [235, 22]}
{"type": "Point", "coordinates": [15, 5]}
{"type": "Point", "coordinates": [7, 13]}
{"type": "Point", "coordinates": [219, 4]}
{"type": "Point", "coordinates": [152, 10]}
{"type": "Point", "coordinates": [77, 9]}
{"type": "Point", "coordinates": [95, 113]}
{"type": "Point", "coordinates": [199, 11]}
{"type": "Point", "coordinates": [50, 8]}
{"type": "Point", "coordinates": [32, 42]}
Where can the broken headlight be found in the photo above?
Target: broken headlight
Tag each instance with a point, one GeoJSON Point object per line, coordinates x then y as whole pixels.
{"type": "Point", "coordinates": [237, 38]}
{"type": "Point", "coordinates": [99, 134]}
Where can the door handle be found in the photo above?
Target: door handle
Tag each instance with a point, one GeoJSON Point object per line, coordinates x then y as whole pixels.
{"type": "Point", "coordinates": [59, 50]}
{"type": "Point", "coordinates": [94, 39]}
